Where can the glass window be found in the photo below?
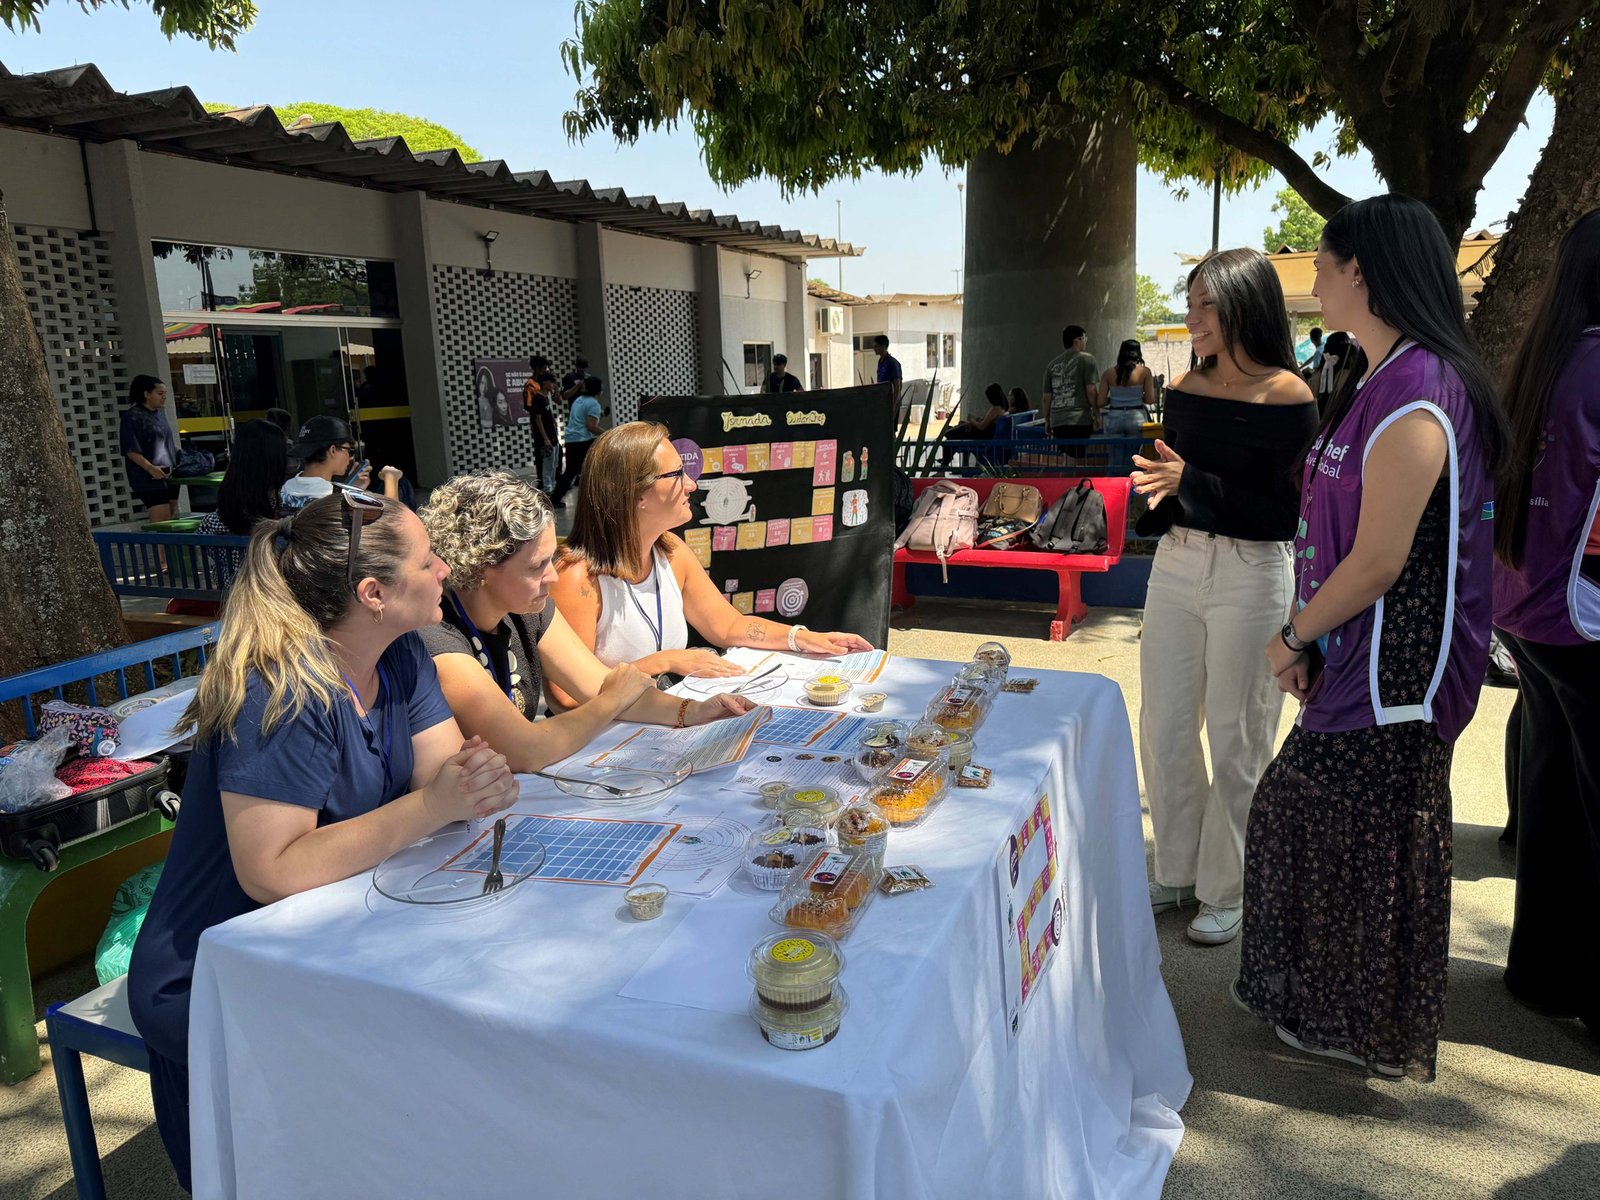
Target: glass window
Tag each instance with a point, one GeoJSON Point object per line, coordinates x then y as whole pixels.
{"type": "Point", "coordinates": [757, 364]}
{"type": "Point", "coordinates": [191, 277]}
{"type": "Point", "coordinates": [949, 349]}
{"type": "Point", "coordinates": [933, 349]}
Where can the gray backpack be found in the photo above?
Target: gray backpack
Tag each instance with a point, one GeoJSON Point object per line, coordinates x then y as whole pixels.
{"type": "Point", "coordinates": [945, 520]}
{"type": "Point", "coordinates": [1075, 524]}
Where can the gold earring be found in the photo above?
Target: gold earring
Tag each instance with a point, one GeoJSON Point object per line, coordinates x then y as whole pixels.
{"type": "Point", "coordinates": [378, 616]}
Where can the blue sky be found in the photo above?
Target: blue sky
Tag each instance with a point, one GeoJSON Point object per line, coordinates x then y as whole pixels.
{"type": "Point", "coordinates": [492, 71]}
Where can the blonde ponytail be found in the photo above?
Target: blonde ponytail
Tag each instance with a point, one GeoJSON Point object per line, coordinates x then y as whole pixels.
{"type": "Point", "coordinates": [264, 632]}
{"type": "Point", "coordinates": [292, 587]}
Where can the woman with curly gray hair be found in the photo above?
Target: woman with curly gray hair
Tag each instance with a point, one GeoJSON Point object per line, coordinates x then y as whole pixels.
{"type": "Point", "coordinates": [499, 639]}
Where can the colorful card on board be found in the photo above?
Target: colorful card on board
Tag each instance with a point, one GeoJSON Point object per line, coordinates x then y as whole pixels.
{"type": "Point", "coordinates": [744, 602]}
{"type": "Point", "coordinates": [782, 456]}
{"type": "Point", "coordinates": [822, 502]}
{"type": "Point", "coordinates": [724, 537]}
{"type": "Point", "coordinates": [822, 529]}
{"type": "Point", "coordinates": [778, 532]}
{"type": "Point", "coordinates": [825, 469]}
{"type": "Point", "coordinates": [805, 455]}
{"type": "Point", "coordinates": [767, 600]}
{"type": "Point", "coordinates": [752, 535]}
{"type": "Point", "coordinates": [758, 456]}
{"type": "Point", "coordinates": [699, 543]}
{"type": "Point", "coordinates": [800, 531]}
{"type": "Point", "coordinates": [711, 460]}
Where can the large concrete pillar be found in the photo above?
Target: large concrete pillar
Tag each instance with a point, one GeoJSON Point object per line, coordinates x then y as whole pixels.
{"type": "Point", "coordinates": [594, 337]}
{"type": "Point", "coordinates": [708, 311]}
{"type": "Point", "coordinates": [795, 322]}
{"type": "Point", "coordinates": [1050, 243]}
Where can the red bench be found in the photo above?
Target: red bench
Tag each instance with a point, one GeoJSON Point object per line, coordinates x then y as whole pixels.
{"type": "Point", "coordinates": [1067, 567]}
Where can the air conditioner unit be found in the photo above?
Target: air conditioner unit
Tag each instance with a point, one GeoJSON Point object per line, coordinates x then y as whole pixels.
{"type": "Point", "coordinates": [830, 319]}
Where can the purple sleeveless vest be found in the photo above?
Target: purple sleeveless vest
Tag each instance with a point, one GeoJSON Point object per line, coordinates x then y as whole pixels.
{"type": "Point", "coordinates": [1347, 696]}
{"type": "Point", "coordinates": [1548, 600]}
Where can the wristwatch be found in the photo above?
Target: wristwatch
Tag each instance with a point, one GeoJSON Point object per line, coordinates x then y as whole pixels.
{"type": "Point", "coordinates": [1290, 638]}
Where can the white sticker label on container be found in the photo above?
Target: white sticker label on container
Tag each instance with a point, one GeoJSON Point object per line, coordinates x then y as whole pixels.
{"type": "Point", "coordinates": [958, 697]}
{"type": "Point", "coordinates": [907, 769]}
{"type": "Point", "coordinates": [829, 867]}
{"type": "Point", "coordinates": [797, 1039]}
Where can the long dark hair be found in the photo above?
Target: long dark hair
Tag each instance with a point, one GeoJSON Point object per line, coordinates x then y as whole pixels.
{"type": "Point", "coordinates": [1569, 303]}
{"type": "Point", "coordinates": [1250, 308]}
{"type": "Point", "coordinates": [249, 490]}
{"type": "Point", "coordinates": [1129, 355]}
{"type": "Point", "coordinates": [140, 385]}
{"type": "Point", "coordinates": [1409, 269]}
{"type": "Point", "coordinates": [1019, 400]}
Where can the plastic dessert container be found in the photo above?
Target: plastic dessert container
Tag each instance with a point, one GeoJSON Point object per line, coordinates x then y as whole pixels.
{"type": "Point", "coordinates": [789, 1030]}
{"type": "Point", "coordinates": [829, 895]}
{"type": "Point", "coordinates": [961, 747]}
{"type": "Point", "coordinates": [879, 747]}
{"type": "Point", "coordinates": [772, 856]}
{"type": "Point", "coordinates": [795, 971]}
{"type": "Point", "coordinates": [960, 706]}
{"type": "Point", "coordinates": [827, 689]}
{"type": "Point", "coordinates": [864, 829]}
{"type": "Point", "coordinates": [822, 804]}
{"type": "Point", "coordinates": [908, 792]}
{"type": "Point", "coordinates": [994, 654]}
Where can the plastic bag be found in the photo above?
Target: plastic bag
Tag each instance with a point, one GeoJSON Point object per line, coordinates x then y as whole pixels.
{"type": "Point", "coordinates": [28, 771]}
{"type": "Point", "coordinates": [128, 910]}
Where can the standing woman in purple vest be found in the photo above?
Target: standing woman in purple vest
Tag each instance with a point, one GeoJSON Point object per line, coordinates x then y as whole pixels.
{"type": "Point", "coordinates": [1347, 858]}
{"type": "Point", "coordinates": [1547, 606]}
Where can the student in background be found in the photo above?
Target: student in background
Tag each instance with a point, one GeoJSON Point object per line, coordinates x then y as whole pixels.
{"type": "Point", "coordinates": [327, 448]}
{"type": "Point", "coordinates": [889, 370]}
{"type": "Point", "coordinates": [583, 426]}
{"type": "Point", "coordinates": [1127, 393]}
{"type": "Point", "coordinates": [780, 380]}
{"type": "Point", "coordinates": [150, 447]}
{"type": "Point", "coordinates": [1069, 384]}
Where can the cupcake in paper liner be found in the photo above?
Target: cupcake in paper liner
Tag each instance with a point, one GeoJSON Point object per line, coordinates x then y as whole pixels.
{"type": "Point", "coordinates": [772, 856]}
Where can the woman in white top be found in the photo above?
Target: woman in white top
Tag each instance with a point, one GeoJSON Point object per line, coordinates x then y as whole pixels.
{"type": "Point", "coordinates": [631, 589]}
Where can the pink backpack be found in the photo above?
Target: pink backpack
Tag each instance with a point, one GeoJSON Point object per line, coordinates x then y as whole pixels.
{"type": "Point", "coordinates": [944, 520]}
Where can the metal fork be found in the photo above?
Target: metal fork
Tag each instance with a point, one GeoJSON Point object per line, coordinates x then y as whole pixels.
{"type": "Point", "coordinates": [494, 881]}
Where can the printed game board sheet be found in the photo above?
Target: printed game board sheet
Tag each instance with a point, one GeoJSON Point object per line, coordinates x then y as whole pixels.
{"type": "Point", "coordinates": [577, 849]}
{"type": "Point", "coordinates": [818, 729]}
{"type": "Point", "coordinates": [705, 746]}
{"type": "Point", "coordinates": [698, 859]}
{"type": "Point", "coordinates": [802, 768]}
{"type": "Point", "coordinates": [1032, 909]}
{"type": "Point", "coordinates": [864, 666]}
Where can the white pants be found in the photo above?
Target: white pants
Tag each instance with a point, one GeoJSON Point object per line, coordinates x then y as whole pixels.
{"type": "Point", "coordinates": [1213, 603]}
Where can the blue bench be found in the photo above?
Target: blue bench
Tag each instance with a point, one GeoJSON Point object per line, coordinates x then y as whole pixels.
{"type": "Point", "coordinates": [176, 566]}
{"type": "Point", "coordinates": [132, 670]}
{"type": "Point", "coordinates": [96, 1023]}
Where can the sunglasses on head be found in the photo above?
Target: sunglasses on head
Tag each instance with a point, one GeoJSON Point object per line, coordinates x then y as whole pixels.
{"type": "Point", "coordinates": [359, 508]}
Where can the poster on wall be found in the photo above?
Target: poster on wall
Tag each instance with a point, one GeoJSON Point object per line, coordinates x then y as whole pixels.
{"type": "Point", "coordinates": [1032, 909]}
{"type": "Point", "coordinates": [794, 508]}
{"type": "Point", "coordinates": [497, 390]}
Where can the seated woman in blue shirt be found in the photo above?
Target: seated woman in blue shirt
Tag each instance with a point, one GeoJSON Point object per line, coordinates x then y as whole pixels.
{"type": "Point", "coordinates": [323, 745]}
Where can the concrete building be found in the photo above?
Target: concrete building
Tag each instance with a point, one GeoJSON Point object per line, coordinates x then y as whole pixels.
{"type": "Point", "coordinates": [252, 266]}
{"type": "Point", "coordinates": [924, 332]}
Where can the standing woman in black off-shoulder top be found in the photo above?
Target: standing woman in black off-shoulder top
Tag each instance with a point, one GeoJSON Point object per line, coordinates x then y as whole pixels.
{"type": "Point", "coordinates": [1224, 496]}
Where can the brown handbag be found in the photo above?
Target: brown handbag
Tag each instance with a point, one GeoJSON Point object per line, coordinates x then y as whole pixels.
{"type": "Point", "coordinates": [1014, 500]}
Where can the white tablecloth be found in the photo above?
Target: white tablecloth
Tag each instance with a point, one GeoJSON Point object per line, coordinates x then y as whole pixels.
{"type": "Point", "coordinates": [343, 1045]}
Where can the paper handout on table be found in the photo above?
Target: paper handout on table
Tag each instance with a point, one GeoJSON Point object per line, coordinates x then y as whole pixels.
{"type": "Point", "coordinates": [704, 853]}
{"type": "Point", "coordinates": [863, 666]}
{"type": "Point", "coordinates": [705, 746]}
{"type": "Point", "coordinates": [798, 768]}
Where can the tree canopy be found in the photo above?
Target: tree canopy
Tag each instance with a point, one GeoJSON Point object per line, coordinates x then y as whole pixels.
{"type": "Point", "coordinates": [216, 22]}
{"type": "Point", "coordinates": [807, 91]}
{"type": "Point", "coordinates": [1299, 228]}
{"type": "Point", "coordinates": [1153, 303]}
{"type": "Point", "coordinates": [365, 124]}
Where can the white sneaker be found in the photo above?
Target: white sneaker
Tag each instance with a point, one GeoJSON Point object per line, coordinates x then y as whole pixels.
{"type": "Point", "coordinates": [1164, 898]}
{"type": "Point", "coordinates": [1216, 926]}
{"type": "Point", "coordinates": [1288, 1038]}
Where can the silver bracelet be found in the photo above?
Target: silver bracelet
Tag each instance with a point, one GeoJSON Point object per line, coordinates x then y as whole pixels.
{"type": "Point", "coordinates": [794, 640]}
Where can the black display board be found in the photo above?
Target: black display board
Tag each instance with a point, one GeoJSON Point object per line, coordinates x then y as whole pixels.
{"type": "Point", "coordinates": [794, 512]}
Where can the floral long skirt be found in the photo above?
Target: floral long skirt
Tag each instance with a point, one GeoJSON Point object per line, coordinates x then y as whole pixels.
{"type": "Point", "coordinates": [1347, 893]}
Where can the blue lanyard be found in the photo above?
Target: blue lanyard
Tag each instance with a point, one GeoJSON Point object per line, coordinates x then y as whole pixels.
{"type": "Point", "coordinates": [388, 729]}
{"type": "Point", "coordinates": [474, 634]}
{"type": "Point", "coordinates": [632, 595]}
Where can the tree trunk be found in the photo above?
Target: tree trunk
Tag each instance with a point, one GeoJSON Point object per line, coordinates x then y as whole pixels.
{"type": "Point", "coordinates": [1564, 185]}
{"type": "Point", "coordinates": [1050, 243]}
{"type": "Point", "coordinates": [54, 596]}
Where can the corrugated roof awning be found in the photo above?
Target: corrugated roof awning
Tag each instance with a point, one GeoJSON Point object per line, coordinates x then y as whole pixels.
{"type": "Point", "coordinates": [79, 102]}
